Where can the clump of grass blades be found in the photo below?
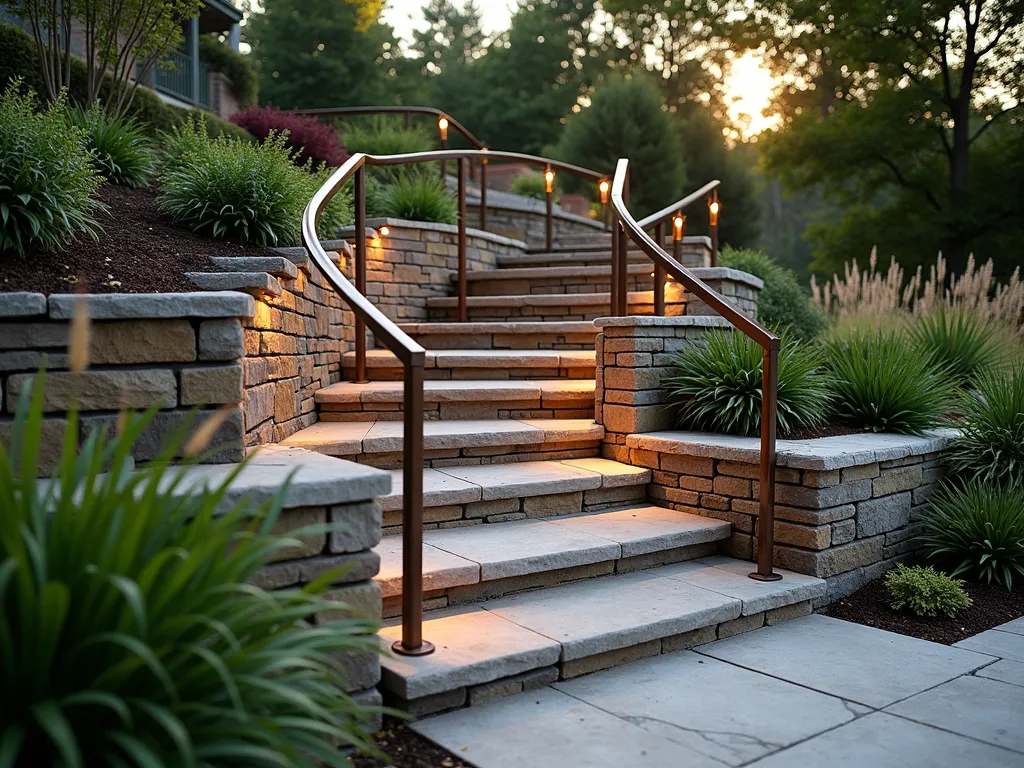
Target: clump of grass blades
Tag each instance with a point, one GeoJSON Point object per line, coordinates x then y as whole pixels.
{"type": "Point", "coordinates": [978, 530]}
{"type": "Point", "coordinates": [237, 190]}
{"type": "Point", "coordinates": [925, 591]}
{"type": "Point", "coordinates": [381, 135]}
{"type": "Point", "coordinates": [47, 183]}
{"type": "Point", "coordinates": [420, 197]}
{"type": "Point", "coordinates": [990, 445]}
{"type": "Point", "coordinates": [963, 341]}
{"type": "Point", "coordinates": [884, 384]}
{"type": "Point", "coordinates": [715, 386]}
{"type": "Point", "coordinates": [119, 147]}
{"type": "Point", "coordinates": [131, 633]}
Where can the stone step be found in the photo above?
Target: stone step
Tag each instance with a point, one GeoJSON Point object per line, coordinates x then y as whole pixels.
{"type": "Point", "coordinates": [568, 243]}
{"type": "Point", "coordinates": [464, 564]}
{"type": "Point", "coordinates": [556, 307]}
{"type": "Point", "coordinates": [495, 364]}
{"type": "Point", "coordinates": [696, 252]}
{"type": "Point", "coordinates": [563, 279]}
{"type": "Point", "coordinates": [258, 284]}
{"type": "Point", "coordinates": [568, 335]}
{"type": "Point", "coordinates": [529, 639]}
{"type": "Point", "coordinates": [455, 442]}
{"type": "Point", "coordinates": [460, 399]}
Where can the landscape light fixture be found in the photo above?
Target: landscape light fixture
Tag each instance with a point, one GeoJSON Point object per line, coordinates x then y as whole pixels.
{"type": "Point", "coordinates": [384, 231]}
{"type": "Point", "coordinates": [604, 188]}
{"type": "Point", "coordinates": [442, 124]}
{"type": "Point", "coordinates": [713, 208]}
{"type": "Point", "coordinates": [549, 181]}
{"type": "Point", "coordinates": [678, 226]}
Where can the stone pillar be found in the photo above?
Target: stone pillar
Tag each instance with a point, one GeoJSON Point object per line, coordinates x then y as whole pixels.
{"type": "Point", "coordinates": [633, 353]}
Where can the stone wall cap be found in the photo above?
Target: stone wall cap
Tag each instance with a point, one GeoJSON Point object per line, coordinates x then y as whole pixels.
{"type": "Point", "coordinates": [821, 453]}
{"type": "Point", "coordinates": [727, 273]}
{"type": "Point", "coordinates": [22, 304]}
{"type": "Point", "coordinates": [653, 321]}
{"type": "Point", "coordinates": [136, 306]}
{"type": "Point", "coordinates": [316, 480]}
{"type": "Point", "coordinates": [431, 226]}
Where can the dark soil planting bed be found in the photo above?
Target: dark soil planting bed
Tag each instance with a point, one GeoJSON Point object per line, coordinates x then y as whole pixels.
{"type": "Point", "coordinates": [992, 605]}
{"type": "Point", "coordinates": [407, 749]}
{"type": "Point", "coordinates": [138, 251]}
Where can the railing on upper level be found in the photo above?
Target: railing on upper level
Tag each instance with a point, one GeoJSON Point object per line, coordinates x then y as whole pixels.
{"type": "Point", "coordinates": [625, 226]}
{"type": "Point", "coordinates": [446, 122]}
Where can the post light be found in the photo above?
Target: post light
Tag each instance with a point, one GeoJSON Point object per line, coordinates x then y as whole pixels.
{"type": "Point", "coordinates": [713, 208]}
{"type": "Point", "coordinates": [549, 181]}
{"type": "Point", "coordinates": [604, 188]}
{"type": "Point", "coordinates": [483, 158]}
{"type": "Point", "coordinates": [678, 227]}
{"type": "Point", "coordinates": [442, 124]}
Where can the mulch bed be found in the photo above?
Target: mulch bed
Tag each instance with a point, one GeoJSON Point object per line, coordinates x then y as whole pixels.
{"type": "Point", "coordinates": [993, 605]}
{"type": "Point", "coordinates": [822, 430]}
{"type": "Point", "coordinates": [139, 251]}
{"type": "Point", "coordinates": [407, 749]}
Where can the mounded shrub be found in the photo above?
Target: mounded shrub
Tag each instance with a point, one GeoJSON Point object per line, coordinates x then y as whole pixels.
{"type": "Point", "coordinates": [47, 181]}
{"type": "Point", "coordinates": [131, 631]}
{"type": "Point", "coordinates": [782, 304]}
{"type": "Point", "coordinates": [883, 383]}
{"type": "Point", "coordinates": [966, 343]}
{"type": "Point", "coordinates": [236, 190]}
{"type": "Point", "coordinates": [715, 385]}
{"type": "Point", "coordinates": [307, 137]}
{"type": "Point", "coordinates": [925, 591]}
{"type": "Point", "coordinates": [990, 445]}
{"type": "Point", "coordinates": [420, 197]}
{"type": "Point", "coordinates": [978, 530]}
{"type": "Point", "coordinates": [120, 150]}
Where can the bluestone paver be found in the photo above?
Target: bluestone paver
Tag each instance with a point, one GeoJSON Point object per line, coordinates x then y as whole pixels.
{"type": "Point", "coordinates": [1005, 670]}
{"type": "Point", "coordinates": [995, 642]}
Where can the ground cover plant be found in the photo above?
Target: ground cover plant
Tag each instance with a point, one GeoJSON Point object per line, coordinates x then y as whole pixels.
{"type": "Point", "coordinates": [715, 385]}
{"type": "Point", "coordinates": [47, 182]}
{"type": "Point", "coordinates": [249, 193]}
{"type": "Point", "coordinates": [307, 137]}
{"type": "Point", "coordinates": [884, 384]}
{"type": "Point", "coordinates": [925, 591]}
{"type": "Point", "coordinates": [978, 530]}
{"type": "Point", "coordinates": [119, 147]}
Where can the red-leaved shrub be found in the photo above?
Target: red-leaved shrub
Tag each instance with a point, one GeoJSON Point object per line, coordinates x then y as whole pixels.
{"type": "Point", "coordinates": [307, 135]}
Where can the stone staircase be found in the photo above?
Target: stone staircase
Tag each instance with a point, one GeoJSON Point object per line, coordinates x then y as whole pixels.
{"type": "Point", "coordinates": [542, 559]}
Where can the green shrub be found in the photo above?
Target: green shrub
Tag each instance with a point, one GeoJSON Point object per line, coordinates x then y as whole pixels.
{"type": "Point", "coordinates": [131, 631]}
{"type": "Point", "coordinates": [47, 182]}
{"type": "Point", "coordinates": [925, 591]}
{"type": "Point", "coordinates": [382, 135]}
{"type": "Point", "coordinates": [884, 384]}
{"type": "Point", "coordinates": [238, 68]}
{"type": "Point", "coordinates": [990, 446]}
{"type": "Point", "coordinates": [978, 530]}
{"type": "Point", "coordinates": [962, 341]}
{"type": "Point", "coordinates": [232, 189]}
{"type": "Point", "coordinates": [531, 185]}
{"type": "Point", "coordinates": [715, 386]}
{"type": "Point", "coordinates": [120, 149]}
{"type": "Point", "coordinates": [782, 304]}
{"type": "Point", "coordinates": [420, 197]}
{"type": "Point", "coordinates": [376, 198]}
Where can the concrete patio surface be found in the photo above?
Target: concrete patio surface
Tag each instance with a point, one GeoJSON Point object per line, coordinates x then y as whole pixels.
{"type": "Point", "coordinates": [811, 692]}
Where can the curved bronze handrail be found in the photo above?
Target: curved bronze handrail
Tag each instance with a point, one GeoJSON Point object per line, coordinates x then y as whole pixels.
{"type": "Point", "coordinates": [626, 226]}
{"type": "Point", "coordinates": [400, 110]}
{"type": "Point", "coordinates": [668, 212]}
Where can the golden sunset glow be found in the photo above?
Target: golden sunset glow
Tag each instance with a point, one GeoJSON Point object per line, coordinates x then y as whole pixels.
{"type": "Point", "coordinates": [748, 89]}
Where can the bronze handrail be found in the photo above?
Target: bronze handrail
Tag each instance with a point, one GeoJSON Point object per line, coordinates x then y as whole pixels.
{"type": "Point", "coordinates": [401, 110]}
{"type": "Point", "coordinates": [624, 225]}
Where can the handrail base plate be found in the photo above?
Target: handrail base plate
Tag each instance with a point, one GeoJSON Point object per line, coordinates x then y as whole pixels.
{"type": "Point", "coordinates": [424, 650]}
{"type": "Point", "coordinates": [761, 577]}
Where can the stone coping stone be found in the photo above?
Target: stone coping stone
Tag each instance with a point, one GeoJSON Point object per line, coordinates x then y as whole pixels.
{"type": "Point", "coordinates": [314, 480]}
{"type": "Point", "coordinates": [820, 453]}
{"type": "Point", "coordinates": [22, 304]}
{"type": "Point", "coordinates": [279, 266]}
{"type": "Point", "coordinates": [430, 226]}
{"type": "Point", "coordinates": [661, 321]}
{"type": "Point", "coordinates": [257, 283]}
{"type": "Point", "coordinates": [131, 306]}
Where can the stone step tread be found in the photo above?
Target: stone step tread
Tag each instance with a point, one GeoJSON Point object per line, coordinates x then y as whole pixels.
{"type": "Point", "coordinates": [255, 283]}
{"type": "Point", "coordinates": [527, 273]}
{"type": "Point", "coordinates": [519, 633]}
{"type": "Point", "coordinates": [279, 266]}
{"type": "Point", "coordinates": [462, 391]}
{"type": "Point", "coordinates": [492, 482]}
{"type": "Point", "coordinates": [537, 300]}
{"type": "Point", "coordinates": [348, 438]}
{"type": "Point", "coordinates": [456, 557]}
{"type": "Point", "coordinates": [502, 327]}
{"type": "Point", "coordinates": [483, 358]}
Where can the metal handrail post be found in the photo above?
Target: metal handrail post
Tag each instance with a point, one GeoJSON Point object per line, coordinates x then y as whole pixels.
{"type": "Point", "coordinates": [463, 287]}
{"type": "Point", "coordinates": [766, 505]}
{"type": "Point", "coordinates": [360, 267]}
{"type": "Point", "coordinates": [659, 278]}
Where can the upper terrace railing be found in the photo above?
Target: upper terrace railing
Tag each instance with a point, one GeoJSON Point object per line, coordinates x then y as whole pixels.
{"type": "Point", "coordinates": [625, 226]}
{"type": "Point", "coordinates": [446, 122]}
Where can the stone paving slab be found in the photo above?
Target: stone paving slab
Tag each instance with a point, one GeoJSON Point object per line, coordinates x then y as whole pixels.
{"type": "Point", "coordinates": [988, 710]}
{"type": "Point", "coordinates": [615, 473]}
{"type": "Point", "coordinates": [548, 729]}
{"type": "Point", "coordinates": [335, 438]}
{"type": "Point", "coordinates": [996, 642]}
{"type": "Point", "coordinates": [439, 490]}
{"type": "Point", "coordinates": [849, 660]}
{"type": "Point", "coordinates": [389, 436]}
{"type": "Point", "coordinates": [721, 710]}
{"type": "Point", "coordinates": [606, 614]}
{"type": "Point", "coordinates": [528, 478]}
{"type": "Point", "coordinates": [1005, 670]}
{"type": "Point", "coordinates": [1016, 626]}
{"type": "Point", "coordinates": [732, 579]}
{"type": "Point", "coordinates": [523, 547]}
{"type": "Point", "coordinates": [641, 530]}
{"type": "Point", "coordinates": [879, 740]}
{"type": "Point", "coordinates": [135, 306]}
{"type": "Point", "coordinates": [474, 646]}
{"type": "Point", "coordinates": [441, 569]}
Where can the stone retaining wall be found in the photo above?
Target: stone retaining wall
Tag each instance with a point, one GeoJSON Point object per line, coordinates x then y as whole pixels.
{"type": "Point", "coordinates": [522, 223]}
{"type": "Point", "coordinates": [174, 352]}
